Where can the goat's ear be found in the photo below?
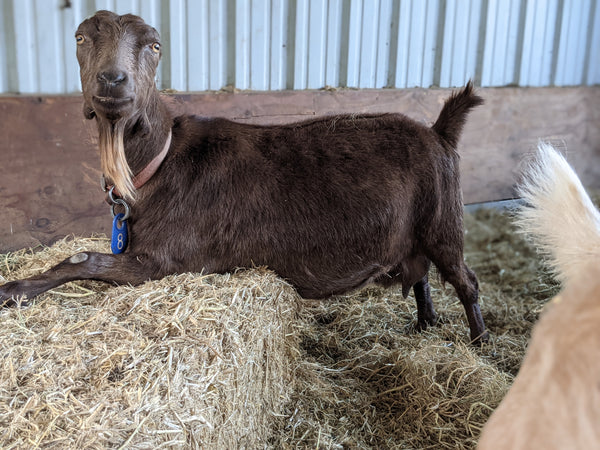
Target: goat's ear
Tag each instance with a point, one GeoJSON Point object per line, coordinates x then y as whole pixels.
{"type": "Point", "coordinates": [88, 111]}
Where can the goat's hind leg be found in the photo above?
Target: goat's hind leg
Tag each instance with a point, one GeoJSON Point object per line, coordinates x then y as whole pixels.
{"type": "Point", "coordinates": [119, 269]}
{"type": "Point", "coordinates": [426, 314]}
{"type": "Point", "coordinates": [455, 271]}
{"type": "Point", "coordinates": [467, 289]}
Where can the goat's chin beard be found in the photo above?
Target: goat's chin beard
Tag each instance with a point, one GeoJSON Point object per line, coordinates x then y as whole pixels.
{"type": "Point", "coordinates": [112, 157]}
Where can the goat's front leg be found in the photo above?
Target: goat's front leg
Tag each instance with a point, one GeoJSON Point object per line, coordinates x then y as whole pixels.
{"type": "Point", "coordinates": [119, 269]}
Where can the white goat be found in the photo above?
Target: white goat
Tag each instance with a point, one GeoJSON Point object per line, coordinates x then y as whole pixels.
{"type": "Point", "coordinates": [554, 402]}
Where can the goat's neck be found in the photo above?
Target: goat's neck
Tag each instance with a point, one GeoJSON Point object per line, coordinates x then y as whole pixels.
{"type": "Point", "coordinates": [145, 134]}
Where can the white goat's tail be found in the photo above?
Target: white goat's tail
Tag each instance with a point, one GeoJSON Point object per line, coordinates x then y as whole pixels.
{"type": "Point", "coordinates": [559, 215]}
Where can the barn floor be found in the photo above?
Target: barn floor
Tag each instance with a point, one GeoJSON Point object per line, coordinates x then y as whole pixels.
{"type": "Point", "coordinates": [364, 378]}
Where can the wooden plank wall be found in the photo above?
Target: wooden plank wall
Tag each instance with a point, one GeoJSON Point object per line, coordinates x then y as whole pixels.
{"type": "Point", "coordinates": [49, 170]}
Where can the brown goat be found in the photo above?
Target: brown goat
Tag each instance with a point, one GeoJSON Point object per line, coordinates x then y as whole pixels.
{"type": "Point", "coordinates": [330, 204]}
{"type": "Point", "coordinates": [554, 402]}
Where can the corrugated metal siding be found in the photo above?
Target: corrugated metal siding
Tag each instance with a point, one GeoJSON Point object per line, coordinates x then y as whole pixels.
{"type": "Point", "coordinates": [310, 44]}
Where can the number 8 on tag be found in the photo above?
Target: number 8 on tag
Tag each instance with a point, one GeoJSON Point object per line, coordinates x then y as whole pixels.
{"type": "Point", "coordinates": [118, 242]}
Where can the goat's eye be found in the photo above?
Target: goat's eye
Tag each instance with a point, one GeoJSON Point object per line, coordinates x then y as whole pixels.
{"type": "Point", "coordinates": [79, 39]}
{"type": "Point", "coordinates": [156, 47]}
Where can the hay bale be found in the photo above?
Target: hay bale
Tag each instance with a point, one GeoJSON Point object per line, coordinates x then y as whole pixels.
{"type": "Point", "coordinates": [187, 361]}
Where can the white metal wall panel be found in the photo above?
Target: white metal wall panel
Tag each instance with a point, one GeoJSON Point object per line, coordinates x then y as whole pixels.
{"type": "Point", "coordinates": [177, 45]}
{"type": "Point", "coordinates": [461, 30]}
{"type": "Point", "coordinates": [368, 44]}
{"type": "Point", "coordinates": [334, 43]}
{"type": "Point", "coordinates": [4, 82]}
{"type": "Point", "coordinates": [417, 36]}
{"type": "Point", "coordinates": [593, 72]}
{"type": "Point", "coordinates": [500, 52]}
{"type": "Point", "coordinates": [50, 60]}
{"type": "Point", "coordinates": [259, 45]}
{"type": "Point", "coordinates": [317, 43]}
{"type": "Point", "coordinates": [301, 48]}
{"type": "Point", "coordinates": [384, 36]}
{"type": "Point", "coordinates": [538, 43]}
{"type": "Point", "coordinates": [242, 45]}
{"type": "Point", "coordinates": [217, 58]}
{"type": "Point", "coordinates": [573, 37]}
{"type": "Point", "coordinates": [278, 45]}
{"type": "Point", "coordinates": [354, 34]}
{"type": "Point", "coordinates": [300, 44]}
{"type": "Point", "coordinates": [197, 45]}
{"type": "Point", "coordinates": [204, 45]}
{"type": "Point", "coordinates": [26, 50]}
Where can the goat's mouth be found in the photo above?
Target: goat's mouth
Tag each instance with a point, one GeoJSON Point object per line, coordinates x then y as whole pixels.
{"type": "Point", "coordinates": [109, 102]}
{"type": "Point", "coordinates": [111, 107]}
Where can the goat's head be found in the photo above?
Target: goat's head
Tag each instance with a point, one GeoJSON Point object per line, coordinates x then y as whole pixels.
{"type": "Point", "coordinates": [118, 57]}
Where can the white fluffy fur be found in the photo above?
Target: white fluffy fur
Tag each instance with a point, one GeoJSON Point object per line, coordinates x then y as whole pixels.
{"type": "Point", "coordinates": [554, 402]}
{"type": "Point", "coordinates": [559, 215]}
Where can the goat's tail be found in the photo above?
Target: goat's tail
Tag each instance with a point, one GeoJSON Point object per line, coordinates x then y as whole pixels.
{"type": "Point", "coordinates": [558, 214]}
{"type": "Point", "coordinates": [452, 118]}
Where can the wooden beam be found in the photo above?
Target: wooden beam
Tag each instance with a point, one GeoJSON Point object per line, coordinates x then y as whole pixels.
{"type": "Point", "coordinates": [49, 183]}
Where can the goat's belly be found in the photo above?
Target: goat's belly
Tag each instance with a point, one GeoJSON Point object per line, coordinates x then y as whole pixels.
{"type": "Point", "coordinates": [315, 284]}
{"type": "Point", "coordinates": [321, 288]}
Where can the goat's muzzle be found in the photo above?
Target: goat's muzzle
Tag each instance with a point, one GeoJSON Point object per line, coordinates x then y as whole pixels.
{"type": "Point", "coordinates": [112, 78]}
{"type": "Point", "coordinates": [114, 98]}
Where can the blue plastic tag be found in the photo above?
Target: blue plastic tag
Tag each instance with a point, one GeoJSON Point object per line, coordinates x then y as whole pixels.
{"type": "Point", "coordinates": [118, 242]}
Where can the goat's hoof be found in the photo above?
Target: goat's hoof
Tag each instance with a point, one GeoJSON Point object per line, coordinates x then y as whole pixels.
{"type": "Point", "coordinates": [424, 322]}
{"type": "Point", "coordinates": [12, 303]}
{"type": "Point", "coordinates": [480, 338]}
{"type": "Point", "coordinates": [8, 299]}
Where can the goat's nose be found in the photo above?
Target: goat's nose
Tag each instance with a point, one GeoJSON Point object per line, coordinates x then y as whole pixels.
{"type": "Point", "coordinates": [112, 77]}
